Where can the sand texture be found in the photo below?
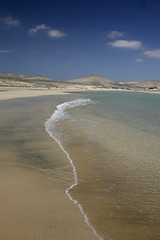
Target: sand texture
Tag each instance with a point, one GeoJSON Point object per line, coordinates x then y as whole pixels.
{"type": "Point", "coordinates": [34, 174]}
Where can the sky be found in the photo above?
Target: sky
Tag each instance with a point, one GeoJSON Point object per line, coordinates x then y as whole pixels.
{"type": "Point", "coordinates": [66, 39]}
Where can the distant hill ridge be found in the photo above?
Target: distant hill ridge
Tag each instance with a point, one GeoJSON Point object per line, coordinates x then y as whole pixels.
{"type": "Point", "coordinates": [94, 80]}
{"type": "Point", "coordinates": [16, 80]}
{"type": "Point", "coordinates": [145, 84]}
{"type": "Point", "coordinates": [40, 77]}
{"type": "Point", "coordinates": [86, 81]}
{"type": "Point", "coordinates": [18, 76]}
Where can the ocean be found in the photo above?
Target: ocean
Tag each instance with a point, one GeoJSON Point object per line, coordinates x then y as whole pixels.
{"type": "Point", "coordinates": [112, 141]}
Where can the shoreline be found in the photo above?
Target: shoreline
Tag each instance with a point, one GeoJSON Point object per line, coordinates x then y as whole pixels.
{"type": "Point", "coordinates": [99, 184]}
{"type": "Point", "coordinates": [53, 119]}
{"type": "Point", "coordinates": [48, 166]}
{"type": "Point", "coordinates": [35, 174]}
{"type": "Point", "coordinates": [7, 93]}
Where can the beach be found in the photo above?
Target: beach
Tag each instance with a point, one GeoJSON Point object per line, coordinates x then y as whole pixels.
{"type": "Point", "coordinates": [77, 166]}
{"type": "Point", "coordinates": [79, 120]}
{"type": "Point", "coordinates": [17, 92]}
{"type": "Point", "coordinates": [35, 172]}
{"type": "Point", "coordinates": [113, 142]}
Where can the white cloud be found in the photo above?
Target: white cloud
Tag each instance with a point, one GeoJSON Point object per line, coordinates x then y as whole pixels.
{"type": "Point", "coordinates": [53, 33]}
{"type": "Point", "coordinates": [115, 34]}
{"type": "Point", "coordinates": [10, 21]}
{"type": "Point", "coordinates": [126, 44]}
{"type": "Point", "coordinates": [139, 60]}
{"type": "Point", "coordinates": [56, 33]}
{"type": "Point", "coordinates": [153, 53]}
{"type": "Point", "coordinates": [36, 29]}
{"type": "Point", "coordinates": [4, 51]}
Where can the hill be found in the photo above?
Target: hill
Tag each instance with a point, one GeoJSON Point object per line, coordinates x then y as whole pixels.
{"type": "Point", "coordinates": [87, 82]}
{"type": "Point", "coordinates": [142, 85]}
{"type": "Point", "coordinates": [16, 80]}
{"type": "Point", "coordinates": [94, 80]}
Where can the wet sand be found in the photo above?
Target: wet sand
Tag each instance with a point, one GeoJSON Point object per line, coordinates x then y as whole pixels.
{"type": "Point", "coordinates": [34, 174]}
{"type": "Point", "coordinates": [119, 202]}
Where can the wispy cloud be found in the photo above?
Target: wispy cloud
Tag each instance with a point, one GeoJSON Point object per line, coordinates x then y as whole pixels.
{"type": "Point", "coordinates": [56, 33]}
{"type": "Point", "coordinates": [5, 51]}
{"type": "Point", "coordinates": [53, 33]}
{"type": "Point", "coordinates": [115, 34]}
{"type": "Point", "coordinates": [133, 45]}
{"type": "Point", "coordinates": [36, 29]}
{"type": "Point", "coordinates": [9, 21]}
{"type": "Point", "coordinates": [139, 60]}
{"type": "Point", "coordinates": [153, 53]}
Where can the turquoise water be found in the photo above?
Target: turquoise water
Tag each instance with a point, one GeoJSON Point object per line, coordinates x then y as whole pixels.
{"type": "Point", "coordinates": [137, 110]}
{"type": "Point", "coordinates": [112, 139]}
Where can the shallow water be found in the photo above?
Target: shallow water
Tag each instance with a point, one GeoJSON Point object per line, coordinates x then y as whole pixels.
{"type": "Point", "coordinates": [113, 142]}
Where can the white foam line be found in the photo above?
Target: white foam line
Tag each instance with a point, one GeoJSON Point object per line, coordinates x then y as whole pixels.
{"type": "Point", "coordinates": [59, 114]}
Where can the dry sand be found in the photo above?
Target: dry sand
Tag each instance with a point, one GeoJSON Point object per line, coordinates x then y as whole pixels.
{"type": "Point", "coordinates": [34, 173]}
{"type": "Point", "coordinates": [17, 92]}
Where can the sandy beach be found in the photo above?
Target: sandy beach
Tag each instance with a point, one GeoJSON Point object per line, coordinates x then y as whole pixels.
{"type": "Point", "coordinates": [34, 172]}
{"type": "Point", "coordinates": [15, 92]}
{"type": "Point", "coordinates": [79, 120]}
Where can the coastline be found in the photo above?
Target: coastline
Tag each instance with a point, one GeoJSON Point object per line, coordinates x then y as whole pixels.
{"type": "Point", "coordinates": [17, 92]}
{"type": "Point", "coordinates": [59, 114]}
{"type": "Point", "coordinates": [115, 175]}
{"type": "Point", "coordinates": [20, 92]}
{"type": "Point", "coordinates": [35, 174]}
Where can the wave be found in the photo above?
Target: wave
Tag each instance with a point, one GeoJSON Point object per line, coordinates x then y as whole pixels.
{"type": "Point", "coordinates": [59, 114]}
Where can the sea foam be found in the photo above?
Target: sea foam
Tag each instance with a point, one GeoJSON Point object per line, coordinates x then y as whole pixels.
{"type": "Point", "coordinates": [59, 114]}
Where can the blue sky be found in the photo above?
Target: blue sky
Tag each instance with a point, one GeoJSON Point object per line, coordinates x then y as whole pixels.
{"type": "Point", "coordinates": [118, 39]}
